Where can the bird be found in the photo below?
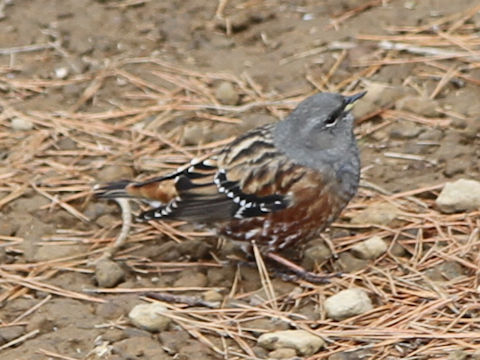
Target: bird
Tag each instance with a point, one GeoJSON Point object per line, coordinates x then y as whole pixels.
{"type": "Point", "coordinates": [275, 186]}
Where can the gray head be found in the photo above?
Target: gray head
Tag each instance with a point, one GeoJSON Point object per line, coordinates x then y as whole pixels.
{"type": "Point", "coordinates": [319, 132]}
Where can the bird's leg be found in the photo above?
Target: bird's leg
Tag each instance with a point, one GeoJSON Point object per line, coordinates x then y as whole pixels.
{"type": "Point", "coordinates": [299, 271]}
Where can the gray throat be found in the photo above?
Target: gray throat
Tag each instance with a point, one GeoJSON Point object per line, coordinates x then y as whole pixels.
{"type": "Point", "coordinates": [340, 163]}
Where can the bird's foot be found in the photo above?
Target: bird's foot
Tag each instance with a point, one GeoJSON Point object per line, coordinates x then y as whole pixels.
{"type": "Point", "coordinates": [299, 272]}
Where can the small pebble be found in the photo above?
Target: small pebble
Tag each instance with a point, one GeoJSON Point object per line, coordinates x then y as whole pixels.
{"type": "Point", "coordinates": [43, 322]}
{"type": "Point", "coordinates": [10, 333]}
{"type": "Point", "coordinates": [47, 253]}
{"type": "Point", "coordinates": [376, 214]}
{"type": "Point", "coordinates": [398, 250]}
{"type": "Point", "coordinates": [30, 204]}
{"type": "Point", "coordinates": [349, 263]}
{"type": "Point", "coordinates": [304, 342]}
{"type": "Point", "coordinates": [282, 353]}
{"type": "Point", "coordinates": [149, 317]}
{"type": "Point", "coordinates": [196, 279]}
{"type": "Point", "coordinates": [137, 347]}
{"type": "Point", "coordinates": [472, 129]}
{"type": "Point", "coordinates": [212, 296]}
{"type": "Point", "coordinates": [410, 5]}
{"type": "Point", "coordinates": [108, 273]}
{"type": "Point", "coordinates": [351, 355]}
{"type": "Point", "coordinates": [315, 255]}
{"type": "Point", "coordinates": [61, 72]}
{"type": "Point", "coordinates": [461, 195]}
{"type": "Point", "coordinates": [109, 310]}
{"type": "Point", "coordinates": [370, 249]}
{"type": "Point", "coordinates": [194, 134]}
{"type": "Point", "coordinates": [21, 124]}
{"type": "Point", "coordinates": [3, 255]}
{"type": "Point", "coordinates": [96, 209]}
{"type": "Point", "coordinates": [446, 271]}
{"type": "Point", "coordinates": [226, 94]}
{"type": "Point", "coordinates": [405, 130]}
{"type": "Point", "coordinates": [458, 355]}
{"type": "Point", "coordinates": [431, 135]}
{"type": "Point", "coordinates": [66, 143]}
{"type": "Point", "coordinates": [348, 303]}
{"type": "Point", "coordinates": [8, 226]}
{"type": "Point", "coordinates": [262, 325]}
{"type": "Point", "coordinates": [106, 220]}
{"type": "Point", "coordinates": [455, 166]}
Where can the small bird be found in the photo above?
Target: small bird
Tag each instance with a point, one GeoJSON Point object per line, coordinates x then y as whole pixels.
{"type": "Point", "coordinates": [276, 185]}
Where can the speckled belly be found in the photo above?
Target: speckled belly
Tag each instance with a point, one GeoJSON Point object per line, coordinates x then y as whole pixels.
{"type": "Point", "coordinates": [312, 210]}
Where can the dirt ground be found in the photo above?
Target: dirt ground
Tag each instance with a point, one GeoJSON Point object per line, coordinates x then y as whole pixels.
{"type": "Point", "coordinates": [95, 91]}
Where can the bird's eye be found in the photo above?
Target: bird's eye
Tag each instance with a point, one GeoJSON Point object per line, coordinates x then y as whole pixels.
{"type": "Point", "coordinates": [331, 120]}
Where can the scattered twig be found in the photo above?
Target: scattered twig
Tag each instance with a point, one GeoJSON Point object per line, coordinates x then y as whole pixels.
{"type": "Point", "coordinates": [20, 339]}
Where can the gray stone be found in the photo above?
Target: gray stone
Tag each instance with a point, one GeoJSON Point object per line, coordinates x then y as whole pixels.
{"type": "Point", "coordinates": [262, 325]}
{"type": "Point", "coordinates": [348, 303]}
{"type": "Point", "coordinates": [458, 355]}
{"type": "Point", "coordinates": [460, 195]}
{"type": "Point", "coordinates": [61, 72]}
{"type": "Point", "coordinates": [315, 255]}
{"type": "Point", "coordinates": [149, 317]}
{"type": "Point", "coordinates": [351, 355]}
{"type": "Point", "coordinates": [455, 166]}
{"type": "Point", "coordinates": [212, 296]}
{"type": "Point", "coordinates": [371, 248]}
{"type": "Point", "coordinates": [52, 252]}
{"type": "Point", "coordinates": [405, 130]}
{"type": "Point", "coordinates": [3, 255]}
{"type": "Point", "coordinates": [472, 128]}
{"type": "Point", "coordinates": [226, 94]}
{"type": "Point", "coordinates": [191, 279]}
{"type": "Point", "coordinates": [282, 353]}
{"type": "Point", "coordinates": [140, 347]}
{"type": "Point", "coordinates": [108, 273]}
{"type": "Point", "coordinates": [398, 250]}
{"type": "Point", "coordinates": [106, 220]}
{"type": "Point", "coordinates": [376, 214]}
{"type": "Point", "coordinates": [30, 204]}
{"type": "Point", "coordinates": [431, 135]}
{"type": "Point", "coordinates": [10, 333]}
{"type": "Point", "coordinates": [349, 263]}
{"type": "Point", "coordinates": [195, 133]}
{"type": "Point", "coordinates": [304, 342]}
{"type": "Point", "coordinates": [21, 124]}
{"type": "Point", "coordinates": [446, 271]}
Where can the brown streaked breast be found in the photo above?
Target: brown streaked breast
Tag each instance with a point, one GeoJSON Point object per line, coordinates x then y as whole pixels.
{"type": "Point", "coordinates": [314, 206]}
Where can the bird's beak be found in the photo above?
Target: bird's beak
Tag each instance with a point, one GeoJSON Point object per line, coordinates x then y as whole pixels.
{"type": "Point", "coordinates": [350, 100]}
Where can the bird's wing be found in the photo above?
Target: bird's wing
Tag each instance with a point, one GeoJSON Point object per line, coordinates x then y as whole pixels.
{"type": "Point", "coordinates": [248, 178]}
{"type": "Point", "coordinates": [187, 194]}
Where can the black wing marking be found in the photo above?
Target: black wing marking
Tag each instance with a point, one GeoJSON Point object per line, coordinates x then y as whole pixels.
{"type": "Point", "coordinates": [198, 198]}
{"type": "Point", "coordinates": [196, 170]}
{"type": "Point", "coordinates": [249, 205]}
{"type": "Point", "coordinates": [217, 201]}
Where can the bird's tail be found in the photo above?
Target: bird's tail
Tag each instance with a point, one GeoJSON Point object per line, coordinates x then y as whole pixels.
{"type": "Point", "coordinates": [160, 189]}
{"type": "Point", "coordinates": [113, 190]}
